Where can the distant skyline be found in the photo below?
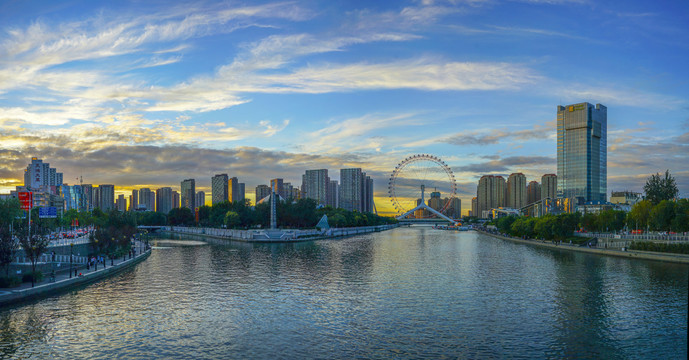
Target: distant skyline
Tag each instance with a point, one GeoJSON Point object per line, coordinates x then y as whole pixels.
{"type": "Point", "coordinates": [147, 94]}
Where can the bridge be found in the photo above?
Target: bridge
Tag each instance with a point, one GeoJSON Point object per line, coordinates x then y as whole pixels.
{"type": "Point", "coordinates": [422, 206]}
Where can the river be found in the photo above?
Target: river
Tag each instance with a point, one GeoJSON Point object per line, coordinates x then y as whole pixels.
{"type": "Point", "coordinates": [404, 293]}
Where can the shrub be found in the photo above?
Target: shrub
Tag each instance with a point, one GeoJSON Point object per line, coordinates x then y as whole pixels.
{"type": "Point", "coordinates": [8, 282]}
{"type": "Point", "coordinates": [37, 276]}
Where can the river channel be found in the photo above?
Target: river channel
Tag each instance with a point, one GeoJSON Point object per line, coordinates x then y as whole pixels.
{"type": "Point", "coordinates": [404, 293]}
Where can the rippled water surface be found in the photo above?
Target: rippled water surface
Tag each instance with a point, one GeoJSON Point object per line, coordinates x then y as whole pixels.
{"type": "Point", "coordinates": [405, 293]}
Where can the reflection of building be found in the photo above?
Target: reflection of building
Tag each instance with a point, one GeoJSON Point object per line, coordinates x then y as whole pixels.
{"type": "Point", "coordinates": [582, 152]}
{"type": "Point", "coordinates": [490, 194]}
{"type": "Point", "coordinates": [262, 191]}
{"type": "Point", "coordinates": [165, 200]}
{"type": "Point", "coordinates": [548, 186]}
{"type": "Point", "coordinates": [533, 192]}
{"type": "Point", "coordinates": [219, 191]}
{"type": "Point", "coordinates": [516, 191]}
{"type": "Point", "coordinates": [188, 195]}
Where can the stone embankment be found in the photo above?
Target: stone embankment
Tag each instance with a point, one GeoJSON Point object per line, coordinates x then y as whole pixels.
{"type": "Point", "coordinates": [276, 235]}
{"type": "Point", "coordinates": [635, 254]}
{"type": "Point", "coordinates": [63, 281]}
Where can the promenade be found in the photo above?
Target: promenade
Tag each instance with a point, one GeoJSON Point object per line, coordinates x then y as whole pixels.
{"type": "Point", "coordinates": [66, 279]}
{"type": "Point", "coordinates": [276, 235]}
{"type": "Point", "coordinates": [636, 254]}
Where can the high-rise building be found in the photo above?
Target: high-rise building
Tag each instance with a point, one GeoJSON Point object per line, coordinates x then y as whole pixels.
{"type": "Point", "coordinates": [200, 199]}
{"type": "Point", "coordinates": [219, 191]}
{"type": "Point", "coordinates": [134, 200]}
{"type": "Point", "coordinates": [233, 188]}
{"type": "Point", "coordinates": [533, 192]}
{"type": "Point", "coordinates": [86, 197]}
{"type": "Point", "coordinates": [241, 192]}
{"type": "Point", "coordinates": [582, 152]}
{"type": "Point", "coordinates": [96, 197]}
{"type": "Point", "coordinates": [107, 197]}
{"type": "Point", "coordinates": [549, 186]}
{"type": "Point", "coordinates": [40, 176]}
{"type": "Point", "coordinates": [333, 194]}
{"type": "Point", "coordinates": [351, 189]}
{"type": "Point", "coordinates": [121, 203]}
{"type": "Point", "coordinates": [314, 185]}
{"type": "Point", "coordinates": [175, 200]}
{"type": "Point", "coordinates": [72, 196]}
{"type": "Point", "coordinates": [516, 191]}
{"type": "Point", "coordinates": [146, 199]}
{"type": "Point", "coordinates": [277, 186]}
{"type": "Point", "coordinates": [367, 194]}
{"type": "Point", "coordinates": [474, 206]}
{"type": "Point", "coordinates": [454, 209]}
{"type": "Point", "coordinates": [262, 191]}
{"type": "Point", "coordinates": [164, 200]}
{"type": "Point", "coordinates": [188, 194]}
{"type": "Point", "coordinates": [490, 194]}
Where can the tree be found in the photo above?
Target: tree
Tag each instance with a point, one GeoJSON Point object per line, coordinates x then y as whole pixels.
{"type": "Point", "coordinates": [9, 211]}
{"type": "Point", "coordinates": [640, 215]}
{"type": "Point", "coordinates": [180, 216]}
{"type": "Point", "coordinates": [681, 221]}
{"type": "Point", "coordinates": [658, 189]}
{"type": "Point", "coordinates": [232, 219]}
{"type": "Point", "coordinates": [662, 215]}
{"type": "Point", "coordinates": [34, 246]}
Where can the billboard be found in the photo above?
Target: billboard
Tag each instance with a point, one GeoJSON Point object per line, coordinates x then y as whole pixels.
{"type": "Point", "coordinates": [25, 199]}
{"type": "Point", "coordinates": [47, 212]}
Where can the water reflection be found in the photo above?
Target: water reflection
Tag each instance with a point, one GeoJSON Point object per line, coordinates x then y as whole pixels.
{"type": "Point", "coordinates": [406, 293]}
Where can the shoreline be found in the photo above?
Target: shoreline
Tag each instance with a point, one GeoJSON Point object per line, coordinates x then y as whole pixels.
{"type": "Point", "coordinates": [331, 234]}
{"type": "Point", "coordinates": [47, 288]}
{"type": "Point", "coordinates": [633, 254]}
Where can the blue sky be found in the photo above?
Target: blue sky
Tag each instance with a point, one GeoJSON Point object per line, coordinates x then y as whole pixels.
{"type": "Point", "coordinates": [147, 93]}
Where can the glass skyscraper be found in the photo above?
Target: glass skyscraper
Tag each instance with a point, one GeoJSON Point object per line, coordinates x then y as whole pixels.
{"type": "Point", "coordinates": [582, 152]}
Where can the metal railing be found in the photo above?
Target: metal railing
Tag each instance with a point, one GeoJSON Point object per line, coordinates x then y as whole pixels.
{"type": "Point", "coordinates": [637, 237]}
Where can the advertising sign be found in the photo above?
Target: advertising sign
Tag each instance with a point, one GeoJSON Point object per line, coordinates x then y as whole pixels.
{"type": "Point", "coordinates": [47, 212]}
{"type": "Point", "coordinates": [25, 199]}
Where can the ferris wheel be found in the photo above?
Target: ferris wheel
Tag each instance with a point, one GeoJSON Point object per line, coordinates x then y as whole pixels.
{"type": "Point", "coordinates": [416, 175]}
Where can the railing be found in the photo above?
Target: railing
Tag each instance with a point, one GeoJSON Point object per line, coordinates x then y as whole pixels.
{"type": "Point", "coordinates": [47, 258]}
{"type": "Point", "coordinates": [637, 237]}
{"type": "Point", "coordinates": [287, 234]}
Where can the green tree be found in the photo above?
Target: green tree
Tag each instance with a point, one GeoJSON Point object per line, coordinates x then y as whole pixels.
{"type": "Point", "coordinates": [662, 215]}
{"type": "Point", "coordinates": [640, 214]}
{"type": "Point", "coordinates": [232, 219]}
{"type": "Point", "coordinates": [34, 246]}
{"type": "Point", "coordinates": [658, 189]}
{"type": "Point", "coordinates": [205, 216]}
{"type": "Point", "coordinates": [9, 211]}
{"type": "Point", "coordinates": [181, 216]}
{"type": "Point", "coordinates": [681, 221]}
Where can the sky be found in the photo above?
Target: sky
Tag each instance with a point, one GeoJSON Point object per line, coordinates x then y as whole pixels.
{"type": "Point", "coordinates": [148, 93]}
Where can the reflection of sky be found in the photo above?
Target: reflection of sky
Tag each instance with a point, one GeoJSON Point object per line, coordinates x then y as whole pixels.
{"type": "Point", "coordinates": [146, 94]}
{"type": "Point", "coordinates": [406, 293]}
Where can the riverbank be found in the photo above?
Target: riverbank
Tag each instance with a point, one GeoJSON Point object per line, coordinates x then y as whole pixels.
{"type": "Point", "coordinates": [63, 282]}
{"type": "Point", "coordinates": [645, 255]}
{"type": "Point", "coordinates": [277, 235]}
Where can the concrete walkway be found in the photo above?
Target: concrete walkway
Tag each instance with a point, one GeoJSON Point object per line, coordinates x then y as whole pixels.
{"type": "Point", "coordinates": [63, 281]}
{"type": "Point", "coordinates": [646, 255]}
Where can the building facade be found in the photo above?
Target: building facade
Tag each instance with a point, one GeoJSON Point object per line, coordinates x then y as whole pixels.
{"type": "Point", "coordinates": [200, 199]}
{"type": "Point", "coordinates": [188, 195]}
{"type": "Point", "coordinates": [516, 191]}
{"type": "Point", "coordinates": [106, 197]}
{"type": "Point", "coordinates": [164, 200]}
{"type": "Point", "coordinates": [582, 152]}
{"type": "Point", "coordinates": [549, 186]}
{"type": "Point", "coordinates": [315, 184]}
{"type": "Point", "coordinates": [219, 189]}
{"type": "Point", "coordinates": [490, 194]}
{"type": "Point", "coordinates": [146, 200]}
{"type": "Point", "coordinates": [333, 194]}
{"type": "Point", "coordinates": [533, 192]}
{"type": "Point", "coordinates": [351, 185]}
{"type": "Point", "coordinates": [262, 191]}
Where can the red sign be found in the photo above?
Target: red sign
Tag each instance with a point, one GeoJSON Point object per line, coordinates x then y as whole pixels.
{"type": "Point", "coordinates": [25, 199]}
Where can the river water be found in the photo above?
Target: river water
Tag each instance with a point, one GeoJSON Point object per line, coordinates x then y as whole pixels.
{"type": "Point", "coordinates": [404, 293]}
